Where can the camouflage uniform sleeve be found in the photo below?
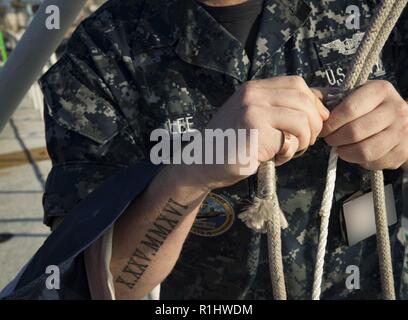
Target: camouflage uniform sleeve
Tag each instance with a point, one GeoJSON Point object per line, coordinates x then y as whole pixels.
{"type": "Point", "coordinates": [88, 138]}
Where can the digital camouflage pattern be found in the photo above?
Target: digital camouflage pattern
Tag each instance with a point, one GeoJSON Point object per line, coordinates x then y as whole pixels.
{"type": "Point", "coordinates": [135, 65]}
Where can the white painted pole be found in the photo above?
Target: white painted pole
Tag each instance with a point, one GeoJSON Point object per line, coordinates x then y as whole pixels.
{"type": "Point", "coordinates": [34, 49]}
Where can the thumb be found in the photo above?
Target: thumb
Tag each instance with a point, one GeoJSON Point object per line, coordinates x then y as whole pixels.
{"type": "Point", "coordinates": [320, 95]}
{"type": "Point", "coordinates": [323, 94]}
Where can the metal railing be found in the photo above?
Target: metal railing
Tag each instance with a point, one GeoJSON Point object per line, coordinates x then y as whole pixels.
{"type": "Point", "coordinates": [25, 63]}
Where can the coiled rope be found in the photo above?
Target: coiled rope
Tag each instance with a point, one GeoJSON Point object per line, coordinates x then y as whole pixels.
{"type": "Point", "coordinates": [265, 214]}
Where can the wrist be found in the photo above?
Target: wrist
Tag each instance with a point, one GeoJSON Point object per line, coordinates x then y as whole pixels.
{"type": "Point", "coordinates": [184, 179]}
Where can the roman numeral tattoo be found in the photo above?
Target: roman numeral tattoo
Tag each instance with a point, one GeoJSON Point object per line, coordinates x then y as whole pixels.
{"type": "Point", "coordinates": [152, 241]}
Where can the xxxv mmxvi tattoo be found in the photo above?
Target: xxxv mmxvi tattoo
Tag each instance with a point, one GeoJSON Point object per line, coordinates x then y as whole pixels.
{"type": "Point", "coordinates": [151, 243]}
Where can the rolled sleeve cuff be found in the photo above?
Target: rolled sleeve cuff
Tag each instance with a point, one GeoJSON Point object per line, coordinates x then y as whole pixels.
{"type": "Point", "coordinates": [68, 184]}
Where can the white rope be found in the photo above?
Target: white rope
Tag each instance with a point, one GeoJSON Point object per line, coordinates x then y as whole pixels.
{"type": "Point", "coordinates": [368, 53]}
{"type": "Point", "coordinates": [324, 224]}
{"type": "Point", "coordinates": [265, 214]}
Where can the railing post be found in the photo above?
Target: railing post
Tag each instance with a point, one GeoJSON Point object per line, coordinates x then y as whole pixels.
{"type": "Point", "coordinates": [32, 52]}
{"type": "Point", "coordinates": [3, 51]}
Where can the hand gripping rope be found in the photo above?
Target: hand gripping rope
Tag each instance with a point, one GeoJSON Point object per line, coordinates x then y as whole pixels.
{"type": "Point", "coordinates": [265, 214]}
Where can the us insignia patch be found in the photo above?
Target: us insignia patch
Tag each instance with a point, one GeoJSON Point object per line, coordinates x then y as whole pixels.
{"type": "Point", "coordinates": [347, 46]}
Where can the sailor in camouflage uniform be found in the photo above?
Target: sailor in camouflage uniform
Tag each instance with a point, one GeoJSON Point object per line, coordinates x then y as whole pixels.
{"type": "Point", "coordinates": [136, 65]}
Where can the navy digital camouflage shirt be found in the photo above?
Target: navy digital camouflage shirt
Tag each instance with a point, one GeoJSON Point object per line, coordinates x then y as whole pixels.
{"type": "Point", "coordinates": [138, 65]}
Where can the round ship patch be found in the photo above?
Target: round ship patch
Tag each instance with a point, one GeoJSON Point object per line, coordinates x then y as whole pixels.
{"type": "Point", "coordinates": [215, 217]}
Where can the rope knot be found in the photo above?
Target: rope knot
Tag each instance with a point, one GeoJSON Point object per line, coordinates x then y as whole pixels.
{"type": "Point", "coordinates": [260, 212]}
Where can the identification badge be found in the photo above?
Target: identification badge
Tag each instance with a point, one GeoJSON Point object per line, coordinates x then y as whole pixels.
{"type": "Point", "coordinates": [359, 216]}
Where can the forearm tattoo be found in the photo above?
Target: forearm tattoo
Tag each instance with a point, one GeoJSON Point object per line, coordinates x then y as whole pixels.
{"type": "Point", "coordinates": [151, 243]}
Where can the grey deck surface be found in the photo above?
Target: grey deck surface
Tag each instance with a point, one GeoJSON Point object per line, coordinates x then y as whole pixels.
{"type": "Point", "coordinates": [23, 171]}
